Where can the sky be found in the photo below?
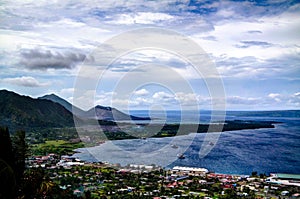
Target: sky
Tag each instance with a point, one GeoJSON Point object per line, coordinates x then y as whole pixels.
{"type": "Point", "coordinates": [253, 45]}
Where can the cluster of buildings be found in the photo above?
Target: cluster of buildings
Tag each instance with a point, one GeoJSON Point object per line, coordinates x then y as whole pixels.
{"type": "Point", "coordinates": [53, 161]}
{"type": "Point", "coordinates": [151, 181]}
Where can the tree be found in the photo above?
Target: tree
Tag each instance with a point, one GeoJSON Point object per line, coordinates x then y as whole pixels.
{"type": "Point", "coordinates": [20, 149]}
{"type": "Point", "coordinates": [254, 174]}
{"type": "Point", "coordinates": [7, 176]}
{"type": "Point", "coordinates": [262, 175]}
{"type": "Point", "coordinates": [6, 151]}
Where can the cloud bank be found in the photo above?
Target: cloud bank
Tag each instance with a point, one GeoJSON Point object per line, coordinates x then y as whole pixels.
{"type": "Point", "coordinates": [40, 59]}
{"type": "Point", "coordinates": [24, 81]}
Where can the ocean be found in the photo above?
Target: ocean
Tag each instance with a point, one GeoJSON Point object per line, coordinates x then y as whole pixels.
{"type": "Point", "coordinates": [272, 150]}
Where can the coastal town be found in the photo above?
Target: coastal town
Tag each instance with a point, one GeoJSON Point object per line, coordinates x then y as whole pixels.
{"type": "Point", "coordinates": [150, 99]}
{"type": "Point", "coordinates": [79, 179]}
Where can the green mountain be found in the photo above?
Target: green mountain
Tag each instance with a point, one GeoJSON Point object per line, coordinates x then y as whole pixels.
{"type": "Point", "coordinates": [98, 112]}
{"type": "Point", "coordinates": [110, 114]}
{"type": "Point", "coordinates": [64, 103]}
{"type": "Point", "coordinates": [23, 112]}
{"type": "Point", "coordinates": [17, 111]}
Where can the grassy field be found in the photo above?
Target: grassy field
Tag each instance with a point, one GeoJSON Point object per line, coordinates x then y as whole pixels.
{"type": "Point", "coordinates": [59, 147]}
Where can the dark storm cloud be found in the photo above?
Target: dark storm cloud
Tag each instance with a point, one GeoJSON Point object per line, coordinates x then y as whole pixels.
{"type": "Point", "coordinates": [40, 59]}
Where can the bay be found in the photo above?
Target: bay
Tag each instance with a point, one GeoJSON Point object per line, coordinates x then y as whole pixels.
{"type": "Point", "coordinates": [275, 150]}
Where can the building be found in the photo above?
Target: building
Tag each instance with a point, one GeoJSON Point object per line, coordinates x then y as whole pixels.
{"type": "Point", "coordinates": [189, 171]}
{"type": "Point", "coordinates": [284, 179]}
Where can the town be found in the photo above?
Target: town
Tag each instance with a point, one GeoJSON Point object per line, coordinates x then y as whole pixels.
{"type": "Point", "coordinates": [78, 179]}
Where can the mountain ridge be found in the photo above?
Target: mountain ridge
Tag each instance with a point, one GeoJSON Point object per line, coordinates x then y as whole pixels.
{"type": "Point", "coordinates": [20, 111]}
{"type": "Point", "coordinates": [55, 98]}
{"type": "Point", "coordinates": [98, 112]}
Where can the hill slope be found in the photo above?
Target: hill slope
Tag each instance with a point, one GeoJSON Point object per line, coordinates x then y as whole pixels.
{"type": "Point", "coordinates": [63, 102]}
{"type": "Point", "coordinates": [98, 112]}
{"type": "Point", "coordinates": [112, 114]}
{"type": "Point", "coordinates": [18, 111]}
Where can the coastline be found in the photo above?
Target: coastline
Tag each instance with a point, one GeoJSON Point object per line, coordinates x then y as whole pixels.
{"type": "Point", "coordinates": [252, 151]}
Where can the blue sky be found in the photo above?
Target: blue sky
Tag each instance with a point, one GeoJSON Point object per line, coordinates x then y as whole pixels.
{"type": "Point", "coordinates": [255, 46]}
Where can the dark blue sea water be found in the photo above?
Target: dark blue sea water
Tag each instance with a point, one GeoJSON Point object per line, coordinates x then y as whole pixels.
{"type": "Point", "coordinates": [235, 152]}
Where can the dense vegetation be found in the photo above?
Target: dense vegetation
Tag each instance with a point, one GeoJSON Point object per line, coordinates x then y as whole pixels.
{"type": "Point", "coordinates": [24, 112]}
{"type": "Point", "coordinates": [40, 135]}
{"type": "Point", "coordinates": [59, 147]}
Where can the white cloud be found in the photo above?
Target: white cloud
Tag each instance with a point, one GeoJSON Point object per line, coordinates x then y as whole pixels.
{"type": "Point", "coordinates": [261, 36]}
{"type": "Point", "coordinates": [297, 94]}
{"type": "Point", "coordinates": [274, 95]}
{"type": "Point", "coordinates": [67, 92]}
{"type": "Point", "coordinates": [141, 92]}
{"type": "Point", "coordinates": [270, 102]}
{"type": "Point", "coordinates": [25, 81]}
{"type": "Point", "coordinates": [141, 18]}
{"type": "Point", "coordinates": [140, 102]}
{"type": "Point", "coordinates": [294, 100]}
{"type": "Point", "coordinates": [105, 98]}
{"type": "Point", "coordinates": [247, 40]}
{"type": "Point", "coordinates": [254, 67]}
{"type": "Point", "coordinates": [187, 99]}
{"type": "Point", "coordinates": [238, 100]}
{"type": "Point", "coordinates": [163, 96]}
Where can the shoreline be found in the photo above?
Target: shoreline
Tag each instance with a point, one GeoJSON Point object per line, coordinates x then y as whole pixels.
{"type": "Point", "coordinates": [116, 131]}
